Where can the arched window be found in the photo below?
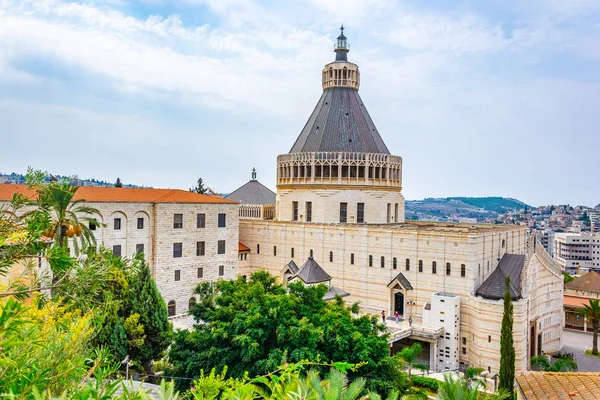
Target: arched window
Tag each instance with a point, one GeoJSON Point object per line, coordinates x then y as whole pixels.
{"type": "Point", "coordinates": [352, 258]}
{"type": "Point", "coordinates": [463, 270]}
{"type": "Point", "coordinates": [394, 263]}
{"type": "Point", "coordinates": [191, 303]}
{"type": "Point", "coordinates": [503, 243]}
{"type": "Point", "coordinates": [171, 308]}
{"type": "Point", "coordinates": [382, 262]}
{"type": "Point", "coordinates": [433, 267]}
{"type": "Point", "coordinates": [331, 256]}
{"type": "Point", "coordinates": [448, 268]}
{"type": "Point", "coordinates": [311, 252]}
{"type": "Point", "coordinates": [292, 252]}
{"type": "Point", "coordinates": [274, 250]}
{"type": "Point", "coordinates": [370, 261]}
{"type": "Point", "coordinates": [420, 265]}
{"type": "Point", "coordinates": [489, 338]}
{"type": "Point", "coordinates": [258, 249]}
{"type": "Point", "coordinates": [408, 264]}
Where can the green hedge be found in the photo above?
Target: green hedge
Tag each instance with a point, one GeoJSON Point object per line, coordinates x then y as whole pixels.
{"type": "Point", "coordinates": [428, 383]}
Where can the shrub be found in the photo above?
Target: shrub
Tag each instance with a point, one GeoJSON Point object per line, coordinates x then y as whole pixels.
{"type": "Point", "coordinates": [423, 381]}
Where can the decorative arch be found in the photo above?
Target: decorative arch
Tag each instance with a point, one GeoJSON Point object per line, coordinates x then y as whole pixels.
{"type": "Point", "coordinates": [171, 308]}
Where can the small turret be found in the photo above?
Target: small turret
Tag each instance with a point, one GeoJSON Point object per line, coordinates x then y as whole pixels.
{"type": "Point", "coordinates": [341, 47]}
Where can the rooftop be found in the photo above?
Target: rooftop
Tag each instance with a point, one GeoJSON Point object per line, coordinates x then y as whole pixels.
{"type": "Point", "coordinates": [559, 385]}
{"type": "Point", "coordinates": [121, 195]}
{"type": "Point", "coordinates": [311, 272]}
{"type": "Point", "coordinates": [494, 286]}
{"type": "Point", "coordinates": [589, 282]}
{"type": "Point", "coordinates": [253, 192]}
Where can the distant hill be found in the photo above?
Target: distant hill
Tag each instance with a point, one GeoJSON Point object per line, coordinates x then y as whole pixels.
{"type": "Point", "coordinates": [20, 178]}
{"type": "Point", "coordinates": [457, 208]}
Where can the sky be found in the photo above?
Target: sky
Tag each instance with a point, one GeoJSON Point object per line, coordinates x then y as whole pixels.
{"type": "Point", "coordinates": [480, 98]}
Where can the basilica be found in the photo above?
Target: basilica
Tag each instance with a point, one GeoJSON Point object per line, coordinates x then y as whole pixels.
{"type": "Point", "coordinates": [338, 218]}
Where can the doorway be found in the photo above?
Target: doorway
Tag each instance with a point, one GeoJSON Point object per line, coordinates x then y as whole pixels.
{"type": "Point", "coordinates": [399, 303]}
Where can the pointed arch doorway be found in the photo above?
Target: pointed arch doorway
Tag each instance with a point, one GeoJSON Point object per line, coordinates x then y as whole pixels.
{"type": "Point", "coordinates": [399, 286]}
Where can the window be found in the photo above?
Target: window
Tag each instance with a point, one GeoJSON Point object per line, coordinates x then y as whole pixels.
{"type": "Point", "coordinates": [463, 270]}
{"type": "Point", "coordinates": [343, 212]}
{"type": "Point", "coordinates": [221, 247]}
{"type": "Point", "coordinates": [360, 213]}
{"type": "Point", "coordinates": [434, 267]}
{"type": "Point", "coordinates": [489, 338]}
{"type": "Point", "coordinates": [464, 341]}
{"type": "Point", "coordinates": [222, 219]}
{"type": "Point", "coordinates": [140, 223]}
{"type": "Point", "coordinates": [394, 263]}
{"type": "Point", "coordinates": [177, 250]}
{"type": "Point", "coordinates": [292, 252]}
{"type": "Point", "coordinates": [308, 211]}
{"type": "Point", "coordinates": [420, 265]}
{"type": "Point", "coordinates": [117, 250]}
{"type": "Point", "coordinates": [200, 220]}
{"type": "Point", "coordinates": [172, 310]}
{"type": "Point", "coordinates": [294, 211]}
{"type": "Point", "coordinates": [258, 249]}
{"type": "Point", "coordinates": [408, 264]}
{"type": "Point", "coordinates": [503, 243]}
{"type": "Point", "coordinates": [447, 268]}
{"type": "Point", "coordinates": [200, 272]}
{"type": "Point", "coordinates": [311, 252]}
{"type": "Point", "coordinates": [177, 275]}
{"type": "Point", "coordinates": [200, 248]}
{"type": "Point", "coordinates": [191, 303]}
{"type": "Point", "coordinates": [331, 256]}
{"type": "Point", "coordinates": [221, 270]}
{"type": "Point", "coordinates": [464, 350]}
{"type": "Point", "coordinates": [139, 248]}
{"type": "Point", "coordinates": [274, 250]}
{"type": "Point", "coordinates": [352, 258]}
{"type": "Point", "coordinates": [382, 262]}
{"type": "Point", "coordinates": [177, 221]}
{"type": "Point", "coordinates": [92, 226]}
{"type": "Point", "coordinates": [117, 224]}
{"type": "Point", "coordinates": [370, 261]}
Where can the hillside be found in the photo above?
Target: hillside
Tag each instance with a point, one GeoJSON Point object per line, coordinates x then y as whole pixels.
{"type": "Point", "coordinates": [457, 208]}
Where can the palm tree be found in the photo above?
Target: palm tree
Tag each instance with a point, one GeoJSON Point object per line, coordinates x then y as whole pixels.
{"type": "Point", "coordinates": [592, 313]}
{"type": "Point", "coordinates": [459, 389]}
{"type": "Point", "coordinates": [66, 218]}
{"type": "Point", "coordinates": [409, 355]}
{"type": "Point", "coordinates": [335, 386]}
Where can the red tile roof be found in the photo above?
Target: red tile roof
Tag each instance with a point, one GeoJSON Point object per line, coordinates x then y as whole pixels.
{"type": "Point", "coordinates": [243, 247]}
{"type": "Point", "coordinates": [559, 385]}
{"type": "Point", "coordinates": [122, 195]}
{"type": "Point", "coordinates": [589, 282]}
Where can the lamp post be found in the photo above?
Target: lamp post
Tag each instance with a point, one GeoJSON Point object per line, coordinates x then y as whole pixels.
{"type": "Point", "coordinates": [126, 362]}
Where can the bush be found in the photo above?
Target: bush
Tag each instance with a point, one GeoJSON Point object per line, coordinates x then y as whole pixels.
{"type": "Point", "coordinates": [570, 356]}
{"type": "Point", "coordinates": [428, 383]}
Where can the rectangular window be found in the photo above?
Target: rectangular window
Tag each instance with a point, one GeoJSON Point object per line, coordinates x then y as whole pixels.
{"type": "Point", "coordinates": [200, 248]}
{"type": "Point", "coordinates": [221, 247]}
{"type": "Point", "coordinates": [200, 220]}
{"type": "Point", "coordinates": [140, 223]}
{"type": "Point", "coordinates": [117, 224]}
{"type": "Point", "coordinates": [447, 268]}
{"type": "Point", "coordinates": [463, 270]}
{"type": "Point", "coordinates": [294, 211]}
{"type": "Point", "coordinates": [389, 212]}
{"type": "Point", "coordinates": [434, 267]}
{"type": "Point", "coordinates": [139, 248]}
{"type": "Point", "coordinates": [178, 221]}
{"type": "Point", "coordinates": [117, 250]}
{"type": "Point", "coordinates": [258, 249]}
{"type": "Point", "coordinates": [92, 226]}
{"type": "Point", "coordinates": [420, 265]}
{"type": "Point", "coordinates": [396, 212]}
{"type": "Point", "coordinates": [222, 220]}
{"type": "Point", "coordinates": [177, 275]}
{"type": "Point", "coordinates": [343, 212]}
{"type": "Point", "coordinates": [200, 272]}
{"type": "Point", "coordinates": [221, 270]}
{"type": "Point", "coordinates": [464, 350]}
{"type": "Point", "coordinates": [308, 211]}
{"type": "Point", "coordinates": [274, 250]}
{"type": "Point", "coordinates": [177, 250]}
{"type": "Point", "coordinates": [464, 341]}
{"type": "Point", "coordinates": [360, 213]}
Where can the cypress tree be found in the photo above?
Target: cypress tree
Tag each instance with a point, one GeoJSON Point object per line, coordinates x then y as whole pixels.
{"type": "Point", "coordinates": [507, 347]}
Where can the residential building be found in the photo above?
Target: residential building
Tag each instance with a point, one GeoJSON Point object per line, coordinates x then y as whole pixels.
{"type": "Point", "coordinates": [578, 293]}
{"type": "Point", "coordinates": [576, 252]}
{"type": "Point", "coordinates": [187, 238]}
{"type": "Point", "coordinates": [339, 203]}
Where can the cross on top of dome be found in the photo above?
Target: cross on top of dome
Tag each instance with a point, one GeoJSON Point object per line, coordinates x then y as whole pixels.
{"type": "Point", "coordinates": [341, 47]}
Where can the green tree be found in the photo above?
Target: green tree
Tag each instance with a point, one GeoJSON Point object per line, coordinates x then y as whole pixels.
{"type": "Point", "coordinates": [258, 325]}
{"type": "Point", "coordinates": [592, 313]}
{"type": "Point", "coordinates": [567, 277]}
{"type": "Point", "coordinates": [199, 188]}
{"type": "Point", "coordinates": [148, 304]}
{"type": "Point", "coordinates": [118, 183]}
{"type": "Point", "coordinates": [507, 348]}
{"type": "Point", "coordinates": [563, 364]}
{"type": "Point", "coordinates": [410, 356]}
{"type": "Point", "coordinates": [458, 388]}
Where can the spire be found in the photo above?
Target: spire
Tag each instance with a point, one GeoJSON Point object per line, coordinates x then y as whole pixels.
{"type": "Point", "coordinates": [341, 47]}
{"type": "Point", "coordinates": [253, 174]}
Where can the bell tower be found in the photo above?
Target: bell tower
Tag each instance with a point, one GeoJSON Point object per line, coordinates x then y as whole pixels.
{"type": "Point", "coordinates": [339, 170]}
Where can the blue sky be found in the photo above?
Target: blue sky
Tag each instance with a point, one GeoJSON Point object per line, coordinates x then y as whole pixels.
{"type": "Point", "coordinates": [480, 98]}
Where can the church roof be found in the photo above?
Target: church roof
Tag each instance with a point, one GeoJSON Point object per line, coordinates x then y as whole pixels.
{"type": "Point", "coordinates": [311, 272]}
{"type": "Point", "coordinates": [291, 266]}
{"type": "Point", "coordinates": [494, 286]}
{"type": "Point", "coordinates": [253, 192]}
{"type": "Point", "coordinates": [340, 122]}
{"type": "Point", "coordinates": [589, 282]}
{"type": "Point", "coordinates": [401, 279]}
{"type": "Point", "coordinates": [334, 291]}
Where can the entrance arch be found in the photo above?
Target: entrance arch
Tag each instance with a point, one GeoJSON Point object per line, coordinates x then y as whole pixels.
{"type": "Point", "coordinates": [399, 303]}
{"type": "Point", "coordinates": [399, 286]}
